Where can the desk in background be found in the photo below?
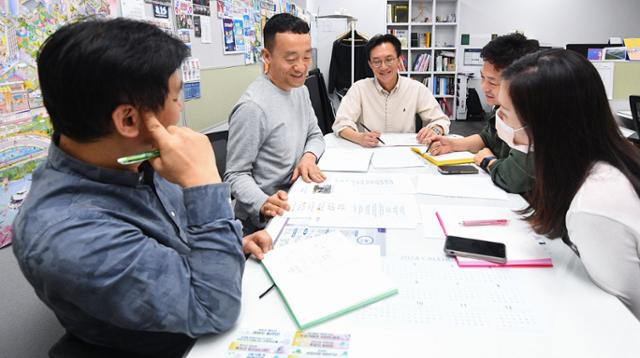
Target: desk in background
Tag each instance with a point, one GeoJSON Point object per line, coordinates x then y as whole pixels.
{"type": "Point", "coordinates": [554, 312]}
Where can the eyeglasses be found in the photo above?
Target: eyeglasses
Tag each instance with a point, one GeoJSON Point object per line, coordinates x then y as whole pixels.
{"type": "Point", "coordinates": [389, 61]}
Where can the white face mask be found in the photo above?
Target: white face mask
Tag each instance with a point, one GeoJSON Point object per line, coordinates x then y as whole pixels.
{"type": "Point", "coordinates": [507, 134]}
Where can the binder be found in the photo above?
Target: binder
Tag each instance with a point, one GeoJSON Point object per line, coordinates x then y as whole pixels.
{"type": "Point", "coordinates": [325, 277]}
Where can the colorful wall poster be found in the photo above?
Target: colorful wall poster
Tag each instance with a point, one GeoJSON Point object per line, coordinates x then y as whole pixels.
{"type": "Point", "coordinates": [238, 33]}
{"type": "Point", "coordinates": [201, 7]}
{"type": "Point", "coordinates": [228, 36]}
{"type": "Point", "coordinates": [25, 128]}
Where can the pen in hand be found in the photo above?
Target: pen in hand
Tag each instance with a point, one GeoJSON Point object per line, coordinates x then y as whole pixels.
{"type": "Point", "coordinates": [137, 158]}
{"type": "Point", "coordinates": [369, 130]}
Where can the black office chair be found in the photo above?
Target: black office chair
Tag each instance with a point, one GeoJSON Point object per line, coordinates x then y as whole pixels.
{"type": "Point", "coordinates": [320, 100]}
{"type": "Point", "coordinates": [634, 103]}
{"type": "Point", "coordinates": [219, 142]}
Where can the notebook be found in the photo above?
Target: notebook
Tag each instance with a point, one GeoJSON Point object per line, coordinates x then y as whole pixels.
{"type": "Point", "coordinates": [524, 248]}
{"type": "Point", "coordinates": [445, 159]}
{"type": "Point", "coordinates": [325, 277]}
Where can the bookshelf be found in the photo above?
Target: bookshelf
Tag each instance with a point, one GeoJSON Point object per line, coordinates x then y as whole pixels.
{"type": "Point", "coordinates": [428, 30]}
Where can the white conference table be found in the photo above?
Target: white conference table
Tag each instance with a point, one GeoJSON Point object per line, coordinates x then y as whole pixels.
{"type": "Point", "coordinates": [556, 312]}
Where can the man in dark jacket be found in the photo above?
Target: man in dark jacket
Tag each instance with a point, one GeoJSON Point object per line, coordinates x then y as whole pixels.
{"type": "Point", "coordinates": [509, 167]}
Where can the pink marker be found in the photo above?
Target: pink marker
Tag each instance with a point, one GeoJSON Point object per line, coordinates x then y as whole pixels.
{"type": "Point", "coordinates": [484, 222]}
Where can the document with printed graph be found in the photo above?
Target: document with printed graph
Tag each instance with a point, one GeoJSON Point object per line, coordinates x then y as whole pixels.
{"type": "Point", "coordinates": [325, 277]}
{"type": "Point", "coordinates": [345, 160]}
{"type": "Point", "coordinates": [356, 184]}
{"type": "Point", "coordinates": [392, 212]}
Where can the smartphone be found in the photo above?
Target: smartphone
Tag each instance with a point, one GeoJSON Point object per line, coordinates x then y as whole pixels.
{"type": "Point", "coordinates": [476, 249]}
{"type": "Point", "coordinates": [458, 169]}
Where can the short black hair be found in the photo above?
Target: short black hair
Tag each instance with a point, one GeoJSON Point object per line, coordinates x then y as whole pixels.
{"type": "Point", "coordinates": [504, 50]}
{"type": "Point", "coordinates": [378, 40]}
{"type": "Point", "coordinates": [88, 68]}
{"type": "Point", "coordinates": [281, 23]}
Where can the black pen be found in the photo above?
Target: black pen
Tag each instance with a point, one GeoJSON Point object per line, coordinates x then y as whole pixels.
{"type": "Point", "coordinates": [369, 130]}
{"type": "Point", "coordinates": [267, 291]}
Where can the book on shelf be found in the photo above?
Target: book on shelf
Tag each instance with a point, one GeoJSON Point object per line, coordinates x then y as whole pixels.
{"type": "Point", "coordinates": [400, 12]}
{"type": "Point", "coordinates": [403, 63]}
{"type": "Point", "coordinates": [420, 39]}
{"type": "Point", "coordinates": [444, 104]}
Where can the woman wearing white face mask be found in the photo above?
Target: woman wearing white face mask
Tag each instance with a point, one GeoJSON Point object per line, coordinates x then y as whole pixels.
{"type": "Point", "coordinates": [587, 187]}
{"type": "Point", "coordinates": [508, 134]}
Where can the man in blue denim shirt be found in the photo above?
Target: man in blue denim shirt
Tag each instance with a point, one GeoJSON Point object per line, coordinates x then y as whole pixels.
{"type": "Point", "coordinates": [142, 257]}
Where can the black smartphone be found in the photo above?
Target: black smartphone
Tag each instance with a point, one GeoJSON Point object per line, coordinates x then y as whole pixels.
{"type": "Point", "coordinates": [476, 249]}
{"type": "Point", "coordinates": [458, 169]}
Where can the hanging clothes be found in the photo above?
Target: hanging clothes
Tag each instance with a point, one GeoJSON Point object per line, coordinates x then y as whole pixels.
{"type": "Point", "coordinates": [340, 65]}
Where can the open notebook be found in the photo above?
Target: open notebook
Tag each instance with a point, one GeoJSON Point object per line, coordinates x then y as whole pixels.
{"type": "Point", "coordinates": [327, 276]}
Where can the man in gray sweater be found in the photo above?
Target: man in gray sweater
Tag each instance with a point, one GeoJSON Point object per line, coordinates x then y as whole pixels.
{"type": "Point", "coordinates": [274, 136]}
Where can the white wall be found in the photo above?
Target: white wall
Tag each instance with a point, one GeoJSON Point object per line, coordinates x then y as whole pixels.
{"type": "Point", "coordinates": [552, 22]}
{"type": "Point", "coordinates": [371, 20]}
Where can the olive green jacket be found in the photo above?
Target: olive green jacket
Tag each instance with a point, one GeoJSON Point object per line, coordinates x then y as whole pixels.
{"type": "Point", "coordinates": [513, 171]}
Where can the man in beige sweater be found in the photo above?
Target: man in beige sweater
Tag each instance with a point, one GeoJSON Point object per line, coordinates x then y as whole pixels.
{"type": "Point", "coordinates": [389, 102]}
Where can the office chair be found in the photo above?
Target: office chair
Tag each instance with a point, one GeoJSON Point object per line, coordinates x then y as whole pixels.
{"type": "Point", "coordinates": [634, 103]}
{"type": "Point", "coordinates": [320, 100]}
{"type": "Point", "coordinates": [219, 143]}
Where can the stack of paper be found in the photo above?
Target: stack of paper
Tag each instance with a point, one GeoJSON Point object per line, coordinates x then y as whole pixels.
{"type": "Point", "coordinates": [325, 277]}
{"type": "Point", "coordinates": [464, 186]}
{"type": "Point", "coordinates": [524, 249]}
{"type": "Point", "coordinates": [345, 160]}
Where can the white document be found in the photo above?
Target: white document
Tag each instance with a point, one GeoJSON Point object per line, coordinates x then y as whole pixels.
{"type": "Point", "coordinates": [626, 132]}
{"type": "Point", "coordinates": [400, 211]}
{"type": "Point", "coordinates": [327, 275]}
{"type": "Point", "coordinates": [397, 157]}
{"type": "Point", "coordinates": [205, 29]}
{"type": "Point", "coordinates": [399, 139]}
{"type": "Point", "coordinates": [521, 242]}
{"type": "Point", "coordinates": [462, 186]}
{"type": "Point", "coordinates": [356, 184]}
{"type": "Point", "coordinates": [345, 160]}
{"type": "Point", "coordinates": [133, 9]}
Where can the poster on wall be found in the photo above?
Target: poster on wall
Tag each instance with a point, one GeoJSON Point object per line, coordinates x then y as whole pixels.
{"type": "Point", "coordinates": [228, 36]}
{"type": "Point", "coordinates": [25, 127]}
{"type": "Point", "coordinates": [201, 7]}
{"type": "Point", "coordinates": [238, 33]}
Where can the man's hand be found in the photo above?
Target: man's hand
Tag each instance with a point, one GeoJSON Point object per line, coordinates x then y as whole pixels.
{"type": "Point", "coordinates": [425, 135]}
{"type": "Point", "coordinates": [482, 153]}
{"type": "Point", "coordinates": [276, 204]}
{"type": "Point", "coordinates": [308, 169]}
{"type": "Point", "coordinates": [186, 157]}
{"type": "Point", "coordinates": [368, 139]}
{"type": "Point", "coordinates": [258, 244]}
{"type": "Point", "coordinates": [443, 145]}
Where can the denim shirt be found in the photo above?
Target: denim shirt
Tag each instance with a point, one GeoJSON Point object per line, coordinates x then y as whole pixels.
{"type": "Point", "coordinates": [127, 259]}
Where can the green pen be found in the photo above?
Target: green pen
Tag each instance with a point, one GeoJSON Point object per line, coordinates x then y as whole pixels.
{"type": "Point", "coordinates": [140, 157]}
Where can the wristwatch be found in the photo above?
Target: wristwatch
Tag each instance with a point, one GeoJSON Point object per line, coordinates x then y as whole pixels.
{"type": "Point", "coordinates": [484, 163]}
{"type": "Point", "coordinates": [436, 130]}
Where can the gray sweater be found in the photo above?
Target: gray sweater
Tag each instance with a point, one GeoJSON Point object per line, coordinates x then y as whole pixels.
{"type": "Point", "coordinates": [269, 131]}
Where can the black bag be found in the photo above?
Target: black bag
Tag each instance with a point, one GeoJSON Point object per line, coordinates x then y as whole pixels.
{"type": "Point", "coordinates": [474, 107]}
